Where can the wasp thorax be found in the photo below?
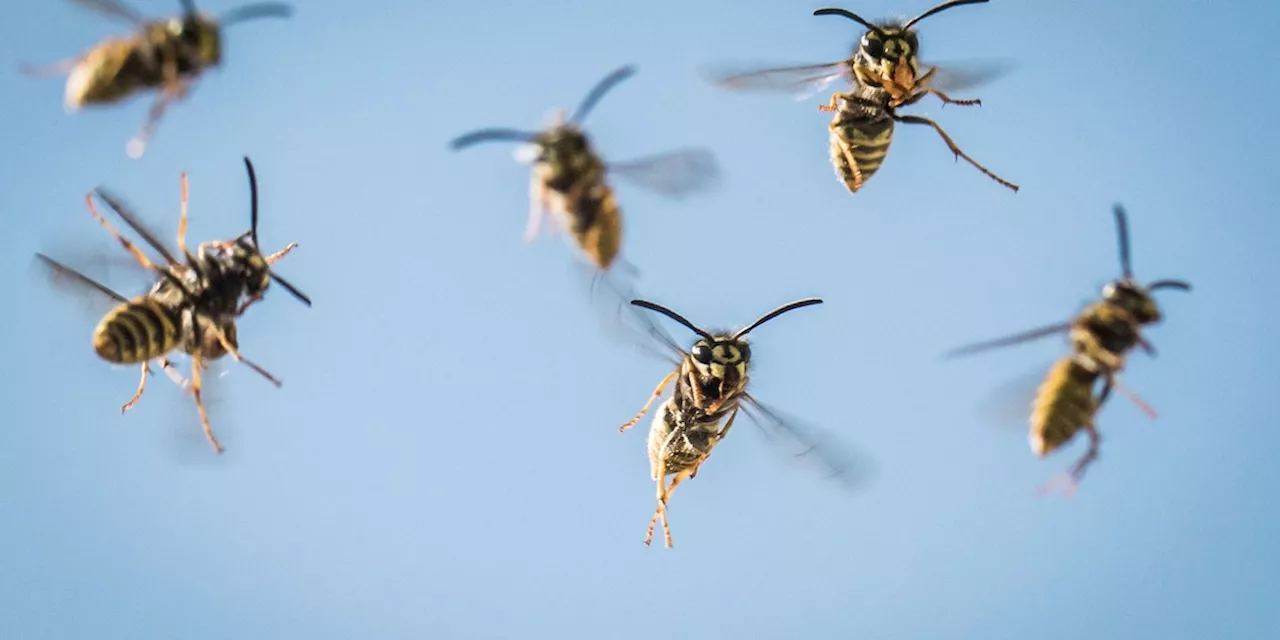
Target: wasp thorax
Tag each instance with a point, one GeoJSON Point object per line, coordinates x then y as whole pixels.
{"type": "Point", "coordinates": [1133, 299]}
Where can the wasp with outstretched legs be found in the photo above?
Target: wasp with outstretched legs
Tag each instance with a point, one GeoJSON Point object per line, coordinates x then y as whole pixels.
{"type": "Point", "coordinates": [167, 55]}
{"type": "Point", "coordinates": [570, 178]}
{"type": "Point", "coordinates": [710, 381]}
{"type": "Point", "coordinates": [884, 76]}
{"type": "Point", "coordinates": [1101, 338]}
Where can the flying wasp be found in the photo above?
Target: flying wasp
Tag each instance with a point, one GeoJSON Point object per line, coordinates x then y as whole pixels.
{"type": "Point", "coordinates": [167, 54]}
{"type": "Point", "coordinates": [710, 388]}
{"type": "Point", "coordinates": [192, 307]}
{"type": "Point", "coordinates": [1101, 337]}
{"type": "Point", "coordinates": [570, 179]}
{"type": "Point", "coordinates": [884, 76]}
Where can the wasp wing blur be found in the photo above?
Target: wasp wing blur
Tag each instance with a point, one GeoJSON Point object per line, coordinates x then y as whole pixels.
{"type": "Point", "coordinates": [674, 174]}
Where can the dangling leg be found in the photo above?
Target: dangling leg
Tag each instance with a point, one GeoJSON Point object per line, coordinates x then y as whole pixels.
{"type": "Point", "coordinates": [1071, 479]}
{"type": "Point", "coordinates": [170, 94]}
{"type": "Point", "coordinates": [281, 253]}
{"type": "Point", "coordinates": [946, 99]}
{"type": "Point", "coordinates": [235, 353]}
{"type": "Point", "coordinates": [182, 218]}
{"type": "Point", "coordinates": [954, 149]}
{"type": "Point", "coordinates": [715, 440]}
{"type": "Point", "coordinates": [664, 494]}
{"type": "Point", "coordinates": [537, 206]}
{"type": "Point", "coordinates": [173, 374]}
{"type": "Point", "coordinates": [204, 416]}
{"type": "Point", "coordinates": [129, 246]}
{"type": "Point", "coordinates": [142, 384]}
{"type": "Point", "coordinates": [656, 393]}
{"type": "Point", "coordinates": [846, 150]}
{"type": "Point", "coordinates": [1135, 398]}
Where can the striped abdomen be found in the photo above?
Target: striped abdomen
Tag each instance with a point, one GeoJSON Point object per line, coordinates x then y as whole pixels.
{"type": "Point", "coordinates": [139, 330]}
{"type": "Point", "coordinates": [1064, 404]}
{"type": "Point", "coordinates": [593, 218]}
{"type": "Point", "coordinates": [859, 143]}
{"type": "Point", "coordinates": [116, 69]}
{"type": "Point", "coordinates": [691, 442]}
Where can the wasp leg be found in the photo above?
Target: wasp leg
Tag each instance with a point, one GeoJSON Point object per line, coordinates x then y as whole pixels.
{"type": "Point", "coordinates": [846, 149]}
{"type": "Point", "coordinates": [235, 353]}
{"type": "Point", "coordinates": [60, 68]}
{"type": "Point", "coordinates": [946, 99]}
{"type": "Point", "coordinates": [129, 246]}
{"type": "Point", "coordinates": [715, 440]}
{"type": "Point", "coordinates": [664, 494]}
{"type": "Point", "coordinates": [173, 374]}
{"type": "Point", "coordinates": [204, 415]}
{"type": "Point", "coordinates": [537, 207]}
{"type": "Point", "coordinates": [182, 218]}
{"type": "Point", "coordinates": [281, 253]}
{"type": "Point", "coordinates": [1135, 398]}
{"type": "Point", "coordinates": [833, 104]}
{"type": "Point", "coordinates": [656, 393]}
{"type": "Point", "coordinates": [173, 92]}
{"type": "Point", "coordinates": [142, 384]}
{"type": "Point", "coordinates": [954, 149]}
{"type": "Point", "coordinates": [1070, 480]}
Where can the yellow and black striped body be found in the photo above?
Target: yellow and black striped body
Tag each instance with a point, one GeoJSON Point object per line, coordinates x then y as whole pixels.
{"type": "Point", "coordinates": [160, 51]}
{"type": "Point", "coordinates": [573, 185]}
{"type": "Point", "coordinates": [142, 329]}
{"type": "Point", "coordinates": [860, 136]}
{"type": "Point", "coordinates": [1064, 404]}
{"type": "Point", "coordinates": [685, 427]}
{"type": "Point", "coordinates": [1105, 332]}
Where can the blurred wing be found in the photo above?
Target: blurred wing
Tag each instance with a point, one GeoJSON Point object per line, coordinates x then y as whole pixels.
{"type": "Point", "coordinates": [97, 297]}
{"type": "Point", "coordinates": [801, 82]}
{"type": "Point", "coordinates": [959, 75]}
{"type": "Point", "coordinates": [795, 439]}
{"type": "Point", "coordinates": [113, 9]}
{"type": "Point", "coordinates": [1009, 405]}
{"type": "Point", "coordinates": [1026, 336]}
{"type": "Point", "coordinates": [675, 174]}
{"type": "Point", "coordinates": [610, 296]}
{"type": "Point", "coordinates": [136, 223]}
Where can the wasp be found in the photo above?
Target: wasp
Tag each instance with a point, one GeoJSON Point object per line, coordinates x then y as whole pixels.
{"type": "Point", "coordinates": [569, 178]}
{"type": "Point", "coordinates": [884, 76]}
{"type": "Point", "coordinates": [1101, 338]}
{"type": "Point", "coordinates": [167, 55]}
{"type": "Point", "coordinates": [192, 307]}
{"type": "Point", "coordinates": [710, 388]}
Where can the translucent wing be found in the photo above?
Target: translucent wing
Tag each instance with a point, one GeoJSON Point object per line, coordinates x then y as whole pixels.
{"type": "Point", "coordinates": [801, 82]}
{"type": "Point", "coordinates": [959, 75]}
{"type": "Point", "coordinates": [113, 9]}
{"type": "Point", "coordinates": [1025, 336]}
{"type": "Point", "coordinates": [610, 298]}
{"type": "Point", "coordinates": [98, 297]}
{"type": "Point", "coordinates": [675, 174]}
{"type": "Point", "coordinates": [136, 224]}
{"type": "Point", "coordinates": [792, 437]}
{"type": "Point", "coordinates": [1008, 406]}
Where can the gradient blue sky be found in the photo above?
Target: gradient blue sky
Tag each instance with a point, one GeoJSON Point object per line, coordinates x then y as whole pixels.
{"type": "Point", "coordinates": [443, 459]}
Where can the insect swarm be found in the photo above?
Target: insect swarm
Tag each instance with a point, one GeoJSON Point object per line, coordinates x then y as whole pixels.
{"type": "Point", "coordinates": [884, 75]}
{"type": "Point", "coordinates": [192, 307]}
{"type": "Point", "coordinates": [710, 387]}
{"type": "Point", "coordinates": [167, 55]}
{"type": "Point", "coordinates": [570, 178]}
{"type": "Point", "coordinates": [1101, 337]}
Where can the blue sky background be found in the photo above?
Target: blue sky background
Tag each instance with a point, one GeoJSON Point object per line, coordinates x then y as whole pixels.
{"type": "Point", "coordinates": [443, 459]}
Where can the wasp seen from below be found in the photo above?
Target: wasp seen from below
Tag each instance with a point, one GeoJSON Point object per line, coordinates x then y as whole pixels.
{"type": "Point", "coordinates": [883, 75]}
{"type": "Point", "coordinates": [1101, 337]}
{"type": "Point", "coordinates": [570, 179]}
{"type": "Point", "coordinates": [167, 55]}
{"type": "Point", "coordinates": [710, 387]}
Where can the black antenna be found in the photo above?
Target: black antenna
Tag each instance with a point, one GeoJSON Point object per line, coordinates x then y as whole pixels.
{"type": "Point", "coordinates": [777, 312]}
{"type": "Point", "coordinates": [188, 8]}
{"type": "Point", "coordinates": [253, 233]}
{"type": "Point", "coordinates": [597, 92]}
{"type": "Point", "coordinates": [940, 8]}
{"type": "Point", "coordinates": [255, 11]}
{"type": "Point", "coordinates": [673, 315]}
{"type": "Point", "coordinates": [1122, 233]}
{"type": "Point", "coordinates": [490, 135]}
{"type": "Point", "coordinates": [1169, 284]}
{"type": "Point", "coordinates": [852, 16]}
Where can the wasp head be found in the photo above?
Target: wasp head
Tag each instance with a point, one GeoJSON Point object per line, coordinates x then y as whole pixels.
{"type": "Point", "coordinates": [201, 38]}
{"type": "Point", "coordinates": [886, 56]}
{"type": "Point", "coordinates": [1134, 299]}
{"type": "Point", "coordinates": [721, 357]}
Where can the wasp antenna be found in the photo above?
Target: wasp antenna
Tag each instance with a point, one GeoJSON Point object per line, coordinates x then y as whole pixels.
{"type": "Point", "coordinates": [1169, 284]}
{"type": "Point", "coordinates": [852, 16]}
{"type": "Point", "coordinates": [597, 92]}
{"type": "Point", "coordinates": [290, 288]}
{"type": "Point", "coordinates": [1122, 234]}
{"type": "Point", "coordinates": [490, 135]}
{"type": "Point", "coordinates": [253, 201]}
{"type": "Point", "coordinates": [188, 8]}
{"type": "Point", "coordinates": [255, 11]}
{"type": "Point", "coordinates": [777, 312]}
{"type": "Point", "coordinates": [940, 8]}
{"type": "Point", "coordinates": [653, 306]}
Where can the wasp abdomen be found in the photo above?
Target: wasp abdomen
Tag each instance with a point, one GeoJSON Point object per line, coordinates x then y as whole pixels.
{"type": "Point", "coordinates": [859, 146]}
{"type": "Point", "coordinates": [690, 444]}
{"type": "Point", "coordinates": [136, 331]}
{"type": "Point", "coordinates": [1064, 404]}
{"type": "Point", "coordinates": [596, 223]}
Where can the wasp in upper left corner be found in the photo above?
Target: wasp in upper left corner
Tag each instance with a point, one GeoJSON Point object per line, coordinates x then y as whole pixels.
{"type": "Point", "coordinates": [193, 305]}
{"type": "Point", "coordinates": [164, 54]}
{"type": "Point", "coordinates": [569, 177]}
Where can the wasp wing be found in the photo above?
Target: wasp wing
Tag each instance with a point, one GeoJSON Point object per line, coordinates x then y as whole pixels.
{"type": "Point", "coordinates": [136, 224]}
{"type": "Point", "coordinates": [674, 174]}
{"type": "Point", "coordinates": [837, 460]}
{"type": "Point", "coordinates": [801, 82]}
{"type": "Point", "coordinates": [959, 75]}
{"type": "Point", "coordinates": [113, 9]}
{"type": "Point", "coordinates": [1026, 336]}
{"type": "Point", "coordinates": [610, 296]}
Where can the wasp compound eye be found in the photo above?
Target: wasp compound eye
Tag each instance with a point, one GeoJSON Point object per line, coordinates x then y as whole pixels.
{"type": "Point", "coordinates": [702, 353]}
